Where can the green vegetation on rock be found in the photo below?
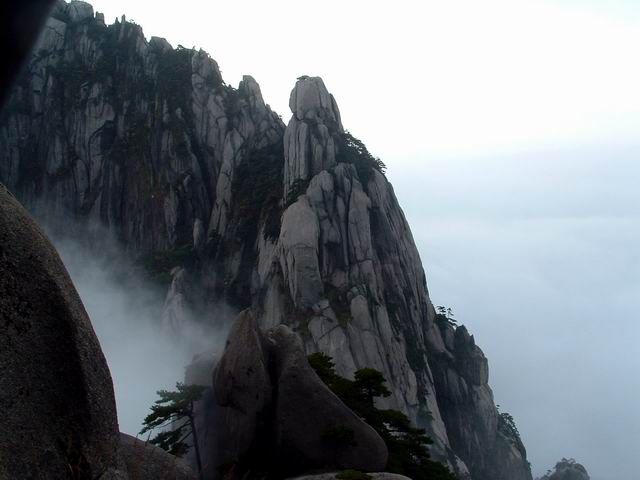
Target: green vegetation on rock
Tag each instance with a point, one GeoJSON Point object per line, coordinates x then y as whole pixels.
{"type": "Point", "coordinates": [507, 425]}
{"type": "Point", "coordinates": [353, 475]}
{"type": "Point", "coordinates": [173, 414]}
{"type": "Point", "coordinates": [351, 150]}
{"type": "Point", "coordinates": [298, 187]}
{"type": "Point", "coordinates": [445, 316]}
{"type": "Point", "coordinates": [407, 445]}
{"type": "Point", "coordinates": [259, 195]}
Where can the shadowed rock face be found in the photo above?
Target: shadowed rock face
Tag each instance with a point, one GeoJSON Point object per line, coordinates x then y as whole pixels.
{"type": "Point", "coordinates": [242, 385]}
{"type": "Point", "coordinates": [275, 414]}
{"type": "Point", "coordinates": [148, 462]}
{"type": "Point", "coordinates": [144, 138]}
{"type": "Point", "coordinates": [106, 126]}
{"type": "Point", "coordinates": [334, 476]}
{"type": "Point", "coordinates": [59, 417]}
{"type": "Point", "coordinates": [306, 411]}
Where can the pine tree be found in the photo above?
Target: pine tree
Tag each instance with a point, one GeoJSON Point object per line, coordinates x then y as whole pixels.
{"type": "Point", "coordinates": [174, 409]}
{"type": "Point", "coordinates": [407, 445]}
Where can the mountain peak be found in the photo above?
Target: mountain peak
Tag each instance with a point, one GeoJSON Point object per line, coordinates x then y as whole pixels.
{"type": "Point", "coordinates": [310, 141]}
{"type": "Point", "coordinates": [311, 101]}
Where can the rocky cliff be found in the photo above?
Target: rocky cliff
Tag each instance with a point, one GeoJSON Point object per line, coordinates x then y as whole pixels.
{"type": "Point", "coordinates": [55, 390]}
{"type": "Point", "coordinates": [567, 469]}
{"type": "Point", "coordinates": [298, 222]}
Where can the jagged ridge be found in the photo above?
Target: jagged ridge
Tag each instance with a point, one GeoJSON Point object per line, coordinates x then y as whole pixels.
{"type": "Point", "coordinates": [149, 141]}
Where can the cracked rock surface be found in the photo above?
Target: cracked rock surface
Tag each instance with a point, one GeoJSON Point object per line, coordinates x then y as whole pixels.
{"type": "Point", "coordinates": [147, 141]}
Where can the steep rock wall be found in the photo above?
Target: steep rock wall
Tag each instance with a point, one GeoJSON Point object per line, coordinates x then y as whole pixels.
{"type": "Point", "coordinates": [147, 140]}
{"type": "Point", "coordinates": [137, 135]}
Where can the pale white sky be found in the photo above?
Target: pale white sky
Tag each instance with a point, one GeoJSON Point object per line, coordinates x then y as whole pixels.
{"type": "Point", "coordinates": [511, 133]}
{"type": "Point", "coordinates": [417, 77]}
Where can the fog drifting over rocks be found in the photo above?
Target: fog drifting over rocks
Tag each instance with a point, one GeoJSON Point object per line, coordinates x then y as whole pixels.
{"type": "Point", "coordinates": [538, 254]}
{"type": "Point", "coordinates": [125, 310]}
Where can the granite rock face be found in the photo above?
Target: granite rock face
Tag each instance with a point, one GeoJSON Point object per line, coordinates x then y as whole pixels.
{"type": "Point", "coordinates": [136, 135]}
{"type": "Point", "coordinates": [273, 411]}
{"type": "Point", "coordinates": [148, 141]}
{"type": "Point", "coordinates": [567, 469]}
{"type": "Point", "coordinates": [144, 461]}
{"type": "Point", "coordinates": [55, 389]}
{"type": "Point", "coordinates": [310, 138]}
{"type": "Point", "coordinates": [307, 411]}
{"type": "Point", "coordinates": [243, 387]}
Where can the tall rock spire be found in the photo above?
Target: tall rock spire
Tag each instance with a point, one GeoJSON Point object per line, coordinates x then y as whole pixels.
{"type": "Point", "coordinates": [309, 140]}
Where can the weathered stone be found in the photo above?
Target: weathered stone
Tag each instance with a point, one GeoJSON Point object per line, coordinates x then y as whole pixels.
{"type": "Point", "coordinates": [299, 257]}
{"type": "Point", "coordinates": [79, 11]}
{"type": "Point", "coordinates": [147, 462]}
{"type": "Point", "coordinates": [310, 137]}
{"type": "Point", "coordinates": [156, 158]}
{"type": "Point", "coordinates": [310, 100]}
{"type": "Point", "coordinates": [52, 36]}
{"type": "Point", "coordinates": [128, 171]}
{"type": "Point", "coordinates": [160, 43]}
{"type": "Point", "coordinates": [334, 476]}
{"type": "Point", "coordinates": [274, 413]}
{"type": "Point", "coordinates": [175, 313]}
{"type": "Point", "coordinates": [567, 469]}
{"type": "Point", "coordinates": [55, 390]}
{"type": "Point", "coordinates": [242, 385]}
{"type": "Point", "coordinates": [307, 412]}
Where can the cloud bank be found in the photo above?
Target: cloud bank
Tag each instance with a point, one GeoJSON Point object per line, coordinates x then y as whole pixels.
{"type": "Point", "coordinates": [539, 254]}
{"type": "Point", "coordinates": [125, 310]}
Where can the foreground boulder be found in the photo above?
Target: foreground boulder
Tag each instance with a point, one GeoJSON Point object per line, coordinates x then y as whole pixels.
{"type": "Point", "coordinates": [56, 395]}
{"type": "Point", "coordinates": [275, 415]}
{"type": "Point", "coordinates": [144, 461]}
{"type": "Point", "coordinates": [243, 386]}
{"type": "Point", "coordinates": [309, 415]}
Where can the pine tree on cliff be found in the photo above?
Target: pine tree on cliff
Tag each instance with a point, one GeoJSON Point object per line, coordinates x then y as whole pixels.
{"type": "Point", "coordinates": [408, 453]}
{"type": "Point", "coordinates": [174, 410]}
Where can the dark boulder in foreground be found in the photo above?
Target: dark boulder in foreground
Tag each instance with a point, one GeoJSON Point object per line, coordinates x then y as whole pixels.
{"type": "Point", "coordinates": [56, 396]}
{"type": "Point", "coordinates": [310, 417]}
{"type": "Point", "coordinates": [242, 385]}
{"type": "Point", "coordinates": [275, 414]}
{"type": "Point", "coordinates": [147, 462]}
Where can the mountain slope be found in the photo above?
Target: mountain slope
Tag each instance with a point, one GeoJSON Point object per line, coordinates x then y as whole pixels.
{"type": "Point", "coordinates": [298, 222]}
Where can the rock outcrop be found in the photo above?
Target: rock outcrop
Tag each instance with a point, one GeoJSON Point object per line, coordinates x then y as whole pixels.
{"type": "Point", "coordinates": [311, 136]}
{"type": "Point", "coordinates": [275, 413]}
{"type": "Point", "coordinates": [242, 385]}
{"type": "Point", "coordinates": [334, 476]}
{"type": "Point", "coordinates": [144, 461]}
{"type": "Point", "coordinates": [298, 223]}
{"type": "Point", "coordinates": [56, 393]}
{"type": "Point", "coordinates": [567, 469]}
{"type": "Point", "coordinates": [137, 135]}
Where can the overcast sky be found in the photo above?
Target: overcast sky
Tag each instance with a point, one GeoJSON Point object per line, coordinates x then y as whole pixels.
{"type": "Point", "coordinates": [511, 133]}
